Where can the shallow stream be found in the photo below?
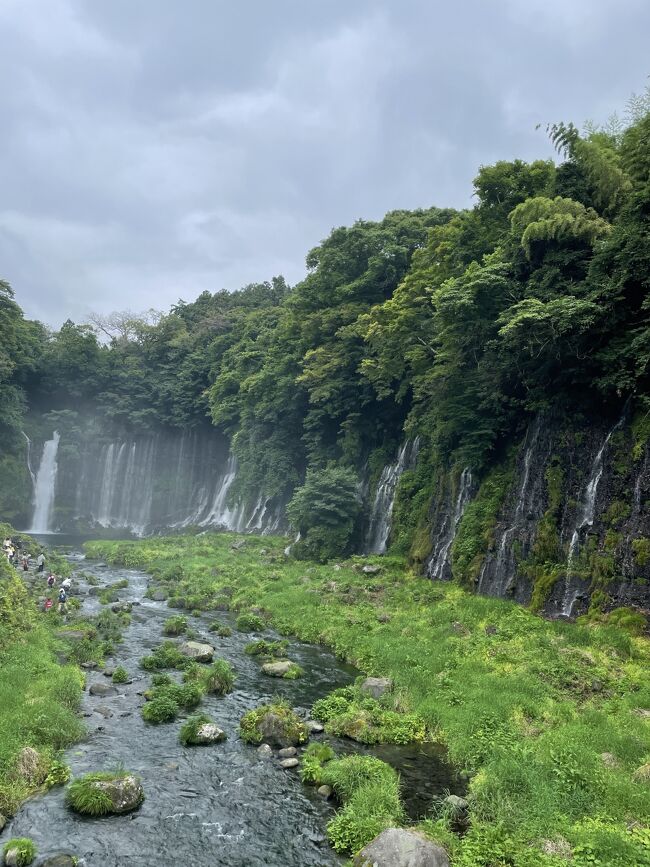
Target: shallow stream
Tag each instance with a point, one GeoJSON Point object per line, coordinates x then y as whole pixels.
{"type": "Point", "coordinates": [205, 806]}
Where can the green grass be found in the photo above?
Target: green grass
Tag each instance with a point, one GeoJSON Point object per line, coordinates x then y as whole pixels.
{"type": "Point", "coordinates": [219, 678]}
{"type": "Point", "coordinates": [120, 675]}
{"type": "Point", "coordinates": [188, 734]}
{"type": "Point", "coordinates": [175, 625]}
{"type": "Point", "coordinates": [250, 623]}
{"type": "Point", "coordinates": [525, 708]}
{"type": "Point", "coordinates": [84, 797]}
{"type": "Point", "coordinates": [38, 696]}
{"type": "Point", "coordinates": [294, 730]}
{"type": "Point", "coordinates": [348, 713]}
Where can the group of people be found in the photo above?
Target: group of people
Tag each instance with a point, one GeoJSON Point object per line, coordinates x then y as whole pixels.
{"type": "Point", "coordinates": [19, 557]}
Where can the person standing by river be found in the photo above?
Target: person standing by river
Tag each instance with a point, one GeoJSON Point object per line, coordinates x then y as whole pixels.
{"type": "Point", "coordinates": [63, 598]}
{"type": "Point", "coordinates": [40, 561]}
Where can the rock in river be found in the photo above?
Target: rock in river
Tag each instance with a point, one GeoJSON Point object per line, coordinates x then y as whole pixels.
{"type": "Point", "coordinates": [277, 669]}
{"type": "Point", "coordinates": [209, 733]}
{"type": "Point", "coordinates": [103, 689]}
{"type": "Point", "coordinates": [287, 764]}
{"type": "Point", "coordinates": [397, 847]}
{"type": "Point", "coordinates": [198, 651]}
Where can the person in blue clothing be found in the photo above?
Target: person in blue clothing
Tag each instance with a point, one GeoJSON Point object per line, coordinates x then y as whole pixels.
{"type": "Point", "coordinates": [63, 598]}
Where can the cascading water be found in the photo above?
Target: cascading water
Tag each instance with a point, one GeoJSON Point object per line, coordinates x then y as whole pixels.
{"type": "Point", "coordinates": [29, 460]}
{"type": "Point", "coordinates": [439, 563]}
{"type": "Point", "coordinates": [382, 507]}
{"type": "Point", "coordinates": [586, 515]}
{"type": "Point", "coordinates": [44, 487]}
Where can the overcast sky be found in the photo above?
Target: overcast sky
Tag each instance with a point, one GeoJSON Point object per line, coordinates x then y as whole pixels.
{"type": "Point", "coordinates": [152, 149]}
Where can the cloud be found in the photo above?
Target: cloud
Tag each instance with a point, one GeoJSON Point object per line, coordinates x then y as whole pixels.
{"type": "Point", "coordinates": [152, 151]}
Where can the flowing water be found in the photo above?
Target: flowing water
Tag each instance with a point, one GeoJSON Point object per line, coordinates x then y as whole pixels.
{"type": "Point", "coordinates": [222, 804]}
{"type": "Point", "coordinates": [438, 568]}
{"type": "Point", "coordinates": [45, 486]}
{"type": "Point", "coordinates": [382, 507]}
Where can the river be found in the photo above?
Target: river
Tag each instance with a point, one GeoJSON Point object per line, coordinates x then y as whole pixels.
{"type": "Point", "coordinates": [205, 806]}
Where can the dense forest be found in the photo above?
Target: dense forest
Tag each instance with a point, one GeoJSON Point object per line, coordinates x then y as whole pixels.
{"type": "Point", "coordinates": [453, 327]}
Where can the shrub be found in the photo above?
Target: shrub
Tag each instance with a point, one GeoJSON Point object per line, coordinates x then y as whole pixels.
{"type": "Point", "coordinates": [219, 678]}
{"type": "Point", "coordinates": [167, 655]}
{"type": "Point", "coordinates": [175, 625]}
{"type": "Point", "coordinates": [324, 511]}
{"type": "Point", "coordinates": [120, 675]}
{"type": "Point", "coordinates": [348, 713]}
{"type": "Point", "coordinates": [222, 631]}
{"type": "Point", "coordinates": [58, 774]}
{"type": "Point", "coordinates": [26, 850]}
{"type": "Point", "coordinates": [250, 623]}
{"type": "Point", "coordinates": [315, 756]}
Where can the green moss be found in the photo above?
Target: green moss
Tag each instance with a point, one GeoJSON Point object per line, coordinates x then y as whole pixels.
{"type": "Point", "coordinates": [475, 531]}
{"type": "Point", "coordinates": [545, 564]}
{"type": "Point", "coordinates": [617, 512]}
{"type": "Point", "coordinates": [640, 434]}
{"type": "Point", "coordinates": [120, 675]}
{"type": "Point", "coordinates": [188, 734]}
{"type": "Point", "coordinates": [86, 798]}
{"type": "Point", "coordinates": [641, 548]}
{"type": "Point", "coordinates": [347, 712]}
{"type": "Point", "coordinates": [26, 848]}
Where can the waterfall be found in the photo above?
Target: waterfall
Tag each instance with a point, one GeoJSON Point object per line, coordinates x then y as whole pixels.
{"type": "Point", "coordinates": [585, 518]}
{"type": "Point", "coordinates": [29, 460]}
{"type": "Point", "coordinates": [382, 507]}
{"type": "Point", "coordinates": [439, 563]}
{"type": "Point", "coordinates": [44, 486]}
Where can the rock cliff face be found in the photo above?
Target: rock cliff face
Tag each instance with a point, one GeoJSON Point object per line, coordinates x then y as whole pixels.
{"type": "Point", "coordinates": [564, 521]}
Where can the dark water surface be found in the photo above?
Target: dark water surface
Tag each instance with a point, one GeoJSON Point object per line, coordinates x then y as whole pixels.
{"type": "Point", "coordinates": [205, 806]}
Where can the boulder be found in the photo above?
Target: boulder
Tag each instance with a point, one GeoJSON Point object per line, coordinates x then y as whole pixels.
{"type": "Point", "coordinates": [460, 805]}
{"type": "Point", "coordinates": [325, 791]}
{"type": "Point", "coordinates": [276, 669]}
{"type": "Point", "coordinates": [30, 766]}
{"type": "Point", "coordinates": [209, 733]}
{"type": "Point", "coordinates": [287, 764]}
{"type": "Point", "coordinates": [642, 774]}
{"type": "Point", "coordinates": [397, 847]}
{"type": "Point", "coordinates": [558, 847]}
{"type": "Point", "coordinates": [126, 794]}
{"type": "Point", "coordinates": [287, 752]}
{"type": "Point", "coordinates": [12, 858]}
{"type": "Point", "coordinates": [106, 712]}
{"type": "Point", "coordinates": [376, 686]}
{"type": "Point", "coordinates": [122, 607]}
{"type": "Point", "coordinates": [610, 760]}
{"type": "Point", "coordinates": [368, 569]}
{"type": "Point", "coordinates": [109, 671]}
{"type": "Point", "coordinates": [102, 689]}
{"type": "Point", "coordinates": [315, 728]}
{"type": "Point", "coordinates": [279, 732]}
{"type": "Point", "coordinates": [265, 751]}
{"type": "Point", "coordinates": [89, 666]}
{"type": "Point", "coordinates": [198, 651]}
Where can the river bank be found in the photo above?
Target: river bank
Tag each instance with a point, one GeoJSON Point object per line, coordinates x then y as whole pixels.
{"type": "Point", "coordinates": [549, 720]}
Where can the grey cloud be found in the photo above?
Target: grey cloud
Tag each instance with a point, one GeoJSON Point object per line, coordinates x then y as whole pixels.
{"type": "Point", "coordinates": [152, 150]}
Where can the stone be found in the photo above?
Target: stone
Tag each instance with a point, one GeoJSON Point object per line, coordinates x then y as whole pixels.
{"type": "Point", "coordinates": [122, 607]}
{"type": "Point", "coordinates": [30, 767]}
{"type": "Point", "coordinates": [59, 861]}
{"type": "Point", "coordinates": [279, 732]}
{"type": "Point", "coordinates": [490, 629]}
{"type": "Point", "coordinates": [315, 728]}
{"type": "Point", "coordinates": [158, 595]}
{"type": "Point", "coordinates": [102, 689]}
{"type": "Point", "coordinates": [610, 760]}
{"type": "Point", "coordinates": [369, 569]}
{"type": "Point", "coordinates": [397, 847]}
{"type": "Point", "coordinates": [383, 618]}
{"type": "Point", "coordinates": [209, 733]}
{"type": "Point", "coordinates": [376, 686]}
{"type": "Point", "coordinates": [265, 751]}
{"type": "Point", "coordinates": [106, 712]}
{"type": "Point", "coordinates": [457, 804]}
{"type": "Point", "coordinates": [642, 774]}
{"type": "Point", "coordinates": [109, 671]}
{"type": "Point", "coordinates": [324, 791]}
{"type": "Point", "coordinates": [126, 794]}
{"type": "Point", "coordinates": [287, 752]}
{"type": "Point", "coordinates": [3, 822]}
{"type": "Point", "coordinates": [276, 669]}
{"type": "Point", "coordinates": [198, 651]}
{"type": "Point", "coordinates": [460, 629]}
{"type": "Point", "coordinates": [12, 858]}
{"type": "Point", "coordinates": [89, 666]}
{"type": "Point", "coordinates": [287, 764]}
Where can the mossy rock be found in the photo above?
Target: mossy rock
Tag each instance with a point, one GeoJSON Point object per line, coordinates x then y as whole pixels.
{"type": "Point", "coordinates": [104, 793]}
{"type": "Point", "coordinates": [200, 730]}
{"type": "Point", "coordinates": [274, 724]}
{"type": "Point", "coordinates": [19, 852]}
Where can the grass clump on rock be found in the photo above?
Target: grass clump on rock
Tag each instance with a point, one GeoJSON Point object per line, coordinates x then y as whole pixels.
{"type": "Point", "coordinates": [311, 768]}
{"type": "Point", "coordinates": [219, 678]}
{"type": "Point", "coordinates": [104, 792]}
{"type": "Point", "coordinates": [175, 625]}
{"type": "Point", "coordinates": [167, 655]}
{"type": "Point", "coordinates": [270, 649]}
{"type": "Point", "coordinates": [368, 790]}
{"type": "Point", "coordinates": [165, 700]}
{"type": "Point", "coordinates": [250, 623]}
{"type": "Point", "coordinates": [347, 712]}
{"type": "Point", "coordinates": [200, 730]}
{"type": "Point", "coordinates": [161, 709]}
{"type": "Point", "coordinates": [120, 675]}
{"type": "Point", "coordinates": [24, 848]}
{"type": "Point", "coordinates": [275, 724]}
{"type": "Point", "coordinates": [221, 631]}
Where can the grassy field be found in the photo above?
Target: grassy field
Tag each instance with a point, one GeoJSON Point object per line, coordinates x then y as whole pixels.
{"type": "Point", "coordinates": [549, 720]}
{"type": "Point", "coordinates": [38, 696]}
